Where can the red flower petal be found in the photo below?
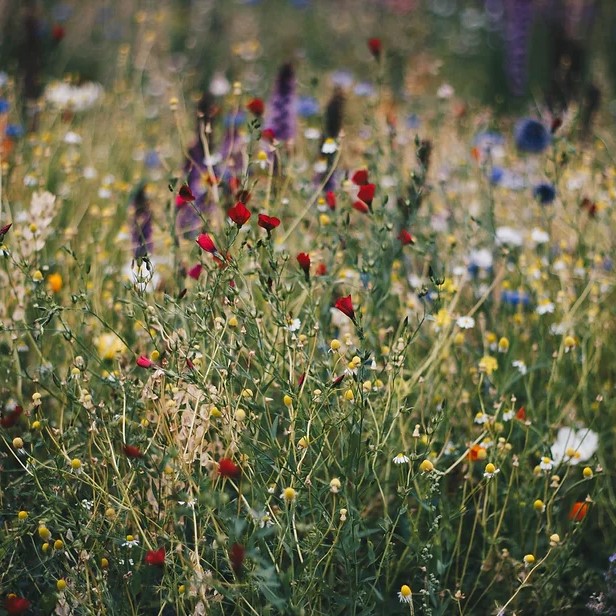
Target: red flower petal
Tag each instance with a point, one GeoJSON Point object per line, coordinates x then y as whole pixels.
{"type": "Point", "coordinates": [144, 362]}
{"type": "Point", "coordinates": [345, 305]}
{"type": "Point", "coordinates": [155, 557]}
{"type": "Point", "coordinates": [132, 451]}
{"type": "Point", "coordinates": [11, 418]}
{"type": "Point", "coordinates": [360, 177]}
{"type": "Point", "coordinates": [195, 271]}
{"type": "Point", "coordinates": [228, 468]}
{"type": "Point", "coordinates": [366, 193]}
{"type": "Point", "coordinates": [4, 230]}
{"type": "Point", "coordinates": [406, 238]}
{"type": "Point", "coordinates": [15, 605]}
{"type": "Point", "coordinates": [375, 46]}
{"type": "Point", "coordinates": [206, 243]}
{"type": "Point", "coordinates": [578, 511]}
{"type": "Point", "coordinates": [237, 553]}
{"type": "Point", "coordinates": [268, 222]}
{"type": "Point", "coordinates": [239, 214]}
{"type": "Point", "coordinates": [256, 107]}
{"type": "Point", "coordinates": [330, 199]}
{"type": "Point", "coordinates": [321, 269]}
{"type": "Point", "coordinates": [360, 206]}
{"type": "Point", "coordinates": [303, 259]}
{"type": "Point", "coordinates": [185, 194]}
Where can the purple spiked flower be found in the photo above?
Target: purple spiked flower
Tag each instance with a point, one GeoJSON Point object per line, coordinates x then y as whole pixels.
{"type": "Point", "coordinates": [519, 19]}
{"type": "Point", "coordinates": [142, 224]}
{"type": "Point", "coordinates": [281, 111]}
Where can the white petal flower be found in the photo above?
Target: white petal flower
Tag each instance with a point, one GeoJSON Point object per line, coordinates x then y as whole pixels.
{"type": "Point", "coordinates": [574, 446]}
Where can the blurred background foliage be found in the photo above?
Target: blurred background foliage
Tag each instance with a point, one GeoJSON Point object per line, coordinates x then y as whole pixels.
{"type": "Point", "coordinates": [472, 44]}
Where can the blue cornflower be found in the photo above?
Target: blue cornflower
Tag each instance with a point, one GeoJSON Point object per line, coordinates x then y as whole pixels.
{"type": "Point", "coordinates": [234, 119]}
{"type": "Point", "coordinates": [496, 175]}
{"type": "Point", "coordinates": [544, 193]}
{"type": "Point", "coordinates": [413, 121]}
{"type": "Point", "coordinates": [307, 106]}
{"type": "Point", "coordinates": [515, 298]}
{"type": "Point", "coordinates": [14, 131]}
{"type": "Point", "coordinates": [4, 105]}
{"type": "Point", "coordinates": [152, 160]}
{"type": "Point", "coordinates": [531, 136]}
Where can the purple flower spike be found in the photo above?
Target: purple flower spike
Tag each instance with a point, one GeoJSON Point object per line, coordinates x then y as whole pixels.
{"type": "Point", "coordinates": [142, 224]}
{"type": "Point", "coordinates": [281, 114]}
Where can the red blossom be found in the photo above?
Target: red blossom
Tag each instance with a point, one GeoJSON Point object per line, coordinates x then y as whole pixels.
{"type": "Point", "coordinates": [155, 557]}
{"type": "Point", "coordinates": [268, 135]}
{"type": "Point", "coordinates": [345, 305]}
{"type": "Point", "coordinates": [144, 362]}
{"type": "Point", "coordinates": [11, 418]}
{"type": "Point", "coordinates": [360, 206]}
{"type": "Point", "coordinates": [321, 269]}
{"type": "Point", "coordinates": [195, 271]}
{"type": "Point", "coordinates": [330, 199]}
{"type": "Point", "coordinates": [268, 222]}
{"type": "Point", "coordinates": [521, 414]}
{"type": "Point", "coordinates": [556, 124]}
{"type": "Point", "coordinates": [132, 451]}
{"type": "Point", "coordinates": [239, 214]}
{"type": "Point", "coordinates": [406, 238]}
{"type": "Point", "coordinates": [303, 258]}
{"type": "Point", "coordinates": [15, 605]}
{"type": "Point", "coordinates": [366, 193]}
{"type": "Point", "coordinates": [206, 243]}
{"type": "Point", "coordinates": [185, 195]}
{"type": "Point", "coordinates": [301, 379]}
{"type": "Point", "coordinates": [57, 32]}
{"type": "Point", "coordinates": [4, 230]}
{"type": "Point", "coordinates": [228, 468]}
{"type": "Point", "coordinates": [256, 107]}
{"type": "Point", "coordinates": [589, 206]}
{"type": "Point", "coordinates": [476, 452]}
{"type": "Point", "coordinates": [360, 177]}
{"type": "Point", "coordinates": [578, 511]}
{"type": "Point", "coordinates": [338, 380]}
{"type": "Point", "coordinates": [237, 553]}
{"type": "Point", "coordinates": [375, 46]}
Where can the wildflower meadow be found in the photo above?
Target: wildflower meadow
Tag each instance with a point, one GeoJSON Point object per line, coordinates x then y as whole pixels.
{"type": "Point", "coordinates": [305, 311]}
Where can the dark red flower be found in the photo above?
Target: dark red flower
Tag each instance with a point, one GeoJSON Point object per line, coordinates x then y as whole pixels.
{"type": "Point", "coordinates": [228, 468]}
{"type": "Point", "coordinates": [302, 378]}
{"type": "Point", "coordinates": [345, 305]}
{"type": "Point", "coordinates": [11, 418]}
{"type": "Point", "coordinates": [243, 195]}
{"type": "Point", "coordinates": [185, 194]}
{"type": "Point", "coordinates": [195, 271]}
{"type": "Point", "coordinates": [360, 206]}
{"type": "Point", "coordinates": [556, 124]}
{"type": "Point", "coordinates": [15, 605]}
{"type": "Point", "coordinates": [321, 269]}
{"type": "Point", "coordinates": [360, 177]}
{"type": "Point", "coordinates": [57, 32]}
{"type": "Point", "coordinates": [239, 214]}
{"type": "Point", "coordinates": [144, 362]}
{"type": "Point", "coordinates": [303, 258]}
{"type": "Point", "coordinates": [4, 230]}
{"type": "Point", "coordinates": [268, 222]}
{"type": "Point", "coordinates": [338, 380]}
{"type": "Point", "coordinates": [330, 199]}
{"type": "Point", "coordinates": [268, 135]}
{"type": "Point", "coordinates": [206, 243]}
{"type": "Point", "coordinates": [406, 238]}
{"type": "Point", "coordinates": [375, 46]}
{"type": "Point", "coordinates": [589, 206]}
{"type": "Point", "coordinates": [155, 557]}
{"type": "Point", "coordinates": [366, 193]}
{"type": "Point", "coordinates": [132, 451]}
{"type": "Point", "coordinates": [256, 107]}
{"type": "Point", "coordinates": [521, 414]}
{"type": "Point", "coordinates": [237, 553]}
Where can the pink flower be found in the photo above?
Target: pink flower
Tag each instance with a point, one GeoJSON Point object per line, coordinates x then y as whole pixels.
{"type": "Point", "coordinates": [144, 362]}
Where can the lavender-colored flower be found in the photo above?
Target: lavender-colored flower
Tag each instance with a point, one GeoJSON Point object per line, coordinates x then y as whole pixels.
{"type": "Point", "coordinates": [518, 23]}
{"type": "Point", "coordinates": [281, 114]}
{"type": "Point", "coordinates": [142, 224]}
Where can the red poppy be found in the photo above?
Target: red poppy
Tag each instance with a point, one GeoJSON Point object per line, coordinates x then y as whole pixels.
{"type": "Point", "coordinates": [268, 135]}
{"type": "Point", "coordinates": [521, 414]}
{"type": "Point", "coordinates": [239, 214]}
{"type": "Point", "coordinates": [406, 238]}
{"type": "Point", "coordinates": [256, 107]}
{"type": "Point", "coordinates": [330, 199]}
{"type": "Point", "coordinates": [237, 553]}
{"type": "Point", "coordinates": [360, 206]}
{"type": "Point", "coordinates": [345, 305]}
{"type": "Point", "coordinates": [15, 605]}
{"type": "Point", "coordinates": [477, 452]}
{"type": "Point", "coordinates": [366, 193]}
{"type": "Point", "coordinates": [321, 269]}
{"type": "Point", "coordinates": [206, 243]}
{"type": "Point", "coordinates": [268, 222]}
{"type": "Point", "coordinates": [4, 230]}
{"type": "Point", "coordinates": [57, 32]}
{"type": "Point", "coordinates": [360, 177]}
{"type": "Point", "coordinates": [132, 451]}
{"type": "Point", "coordinates": [375, 46]}
{"type": "Point", "coordinates": [228, 468]}
{"type": "Point", "coordinates": [11, 418]}
{"type": "Point", "coordinates": [144, 362]}
{"type": "Point", "coordinates": [185, 194]}
{"type": "Point", "coordinates": [155, 557]}
{"type": "Point", "coordinates": [195, 271]}
{"type": "Point", "coordinates": [578, 511]}
{"type": "Point", "coordinates": [303, 258]}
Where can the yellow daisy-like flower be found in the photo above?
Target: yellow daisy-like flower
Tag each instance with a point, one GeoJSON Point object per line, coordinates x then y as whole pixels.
{"type": "Point", "coordinates": [405, 594]}
{"type": "Point", "coordinates": [488, 365]}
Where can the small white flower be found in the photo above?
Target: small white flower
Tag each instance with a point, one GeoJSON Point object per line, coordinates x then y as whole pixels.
{"type": "Point", "coordinates": [320, 166]}
{"type": "Point", "coordinates": [573, 446]}
{"type": "Point", "coordinates": [130, 542]}
{"type": "Point", "coordinates": [539, 236]}
{"type": "Point", "coordinates": [329, 146]}
{"type": "Point", "coordinates": [465, 322]}
{"type": "Point", "coordinates": [445, 91]}
{"type": "Point", "coordinates": [72, 138]}
{"type": "Point", "coordinates": [86, 504]}
{"type": "Point", "coordinates": [481, 418]}
{"type": "Point", "coordinates": [546, 464]}
{"type": "Point", "coordinates": [401, 459]}
{"type": "Point", "coordinates": [219, 86]}
{"type": "Point", "coordinates": [520, 365]}
{"type": "Point", "coordinates": [490, 471]}
{"type": "Point", "coordinates": [294, 325]}
{"type": "Point", "coordinates": [508, 415]}
{"type": "Point", "coordinates": [312, 134]}
{"type": "Point", "coordinates": [545, 307]}
{"type": "Point", "coordinates": [481, 258]}
{"type": "Point", "coordinates": [509, 237]}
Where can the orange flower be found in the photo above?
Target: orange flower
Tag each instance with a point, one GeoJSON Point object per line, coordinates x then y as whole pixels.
{"type": "Point", "coordinates": [55, 282]}
{"type": "Point", "coordinates": [477, 452]}
{"type": "Point", "coordinates": [578, 511]}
